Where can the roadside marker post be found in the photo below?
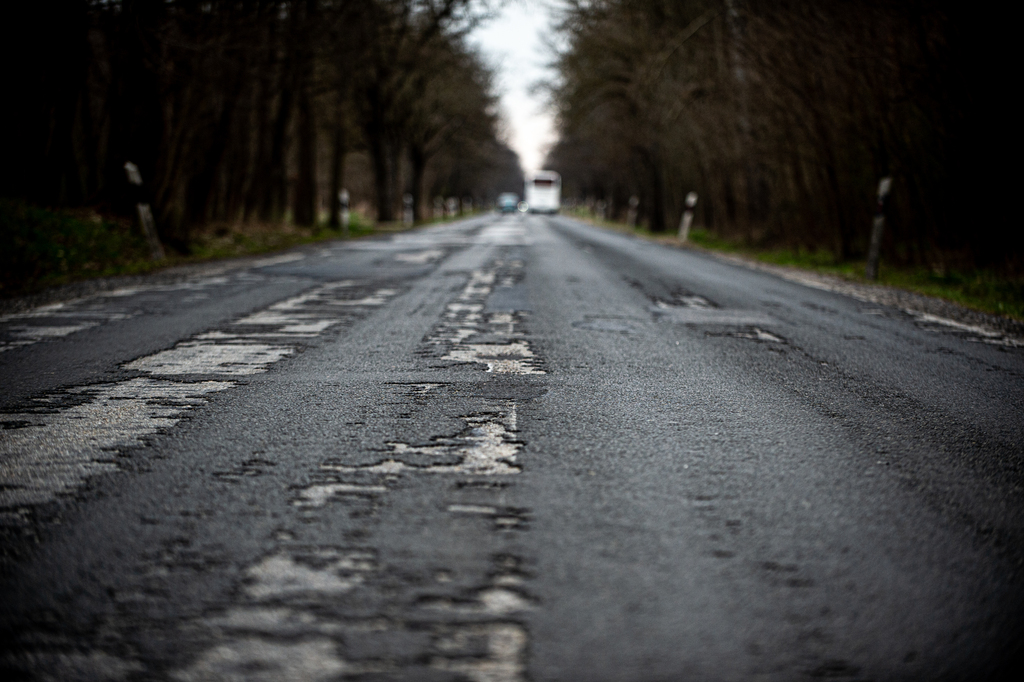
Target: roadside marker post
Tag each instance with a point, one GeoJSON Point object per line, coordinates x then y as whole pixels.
{"type": "Point", "coordinates": [407, 216]}
{"type": "Point", "coordinates": [687, 220]}
{"type": "Point", "coordinates": [156, 249]}
{"type": "Point", "coordinates": [877, 226]}
{"type": "Point", "coordinates": [343, 200]}
{"type": "Point", "coordinates": [634, 203]}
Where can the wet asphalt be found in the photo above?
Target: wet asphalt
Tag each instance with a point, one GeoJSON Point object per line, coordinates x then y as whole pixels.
{"type": "Point", "coordinates": [501, 449]}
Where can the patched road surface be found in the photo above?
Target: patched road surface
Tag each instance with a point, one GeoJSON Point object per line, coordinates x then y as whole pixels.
{"type": "Point", "coordinates": [506, 449]}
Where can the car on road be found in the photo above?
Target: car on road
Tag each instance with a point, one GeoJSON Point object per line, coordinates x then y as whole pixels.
{"type": "Point", "coordinates": [507, 202]}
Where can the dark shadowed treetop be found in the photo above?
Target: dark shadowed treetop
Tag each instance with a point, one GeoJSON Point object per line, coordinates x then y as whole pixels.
{"type": "Point", "coordinates": [784, 116]}
{"type": "Point", "coordinates": [237, 110]}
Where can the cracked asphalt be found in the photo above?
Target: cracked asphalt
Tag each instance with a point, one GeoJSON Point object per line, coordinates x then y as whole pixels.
{"type": "Point", "coordinates": [505, 449]}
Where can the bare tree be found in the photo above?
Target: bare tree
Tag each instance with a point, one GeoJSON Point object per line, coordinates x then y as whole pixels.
{"type": "Point", "coordinates": [783, 115]}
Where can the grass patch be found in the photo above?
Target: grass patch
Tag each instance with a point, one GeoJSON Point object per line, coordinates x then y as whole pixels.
{"type": "Point", "coordinates": [40, 247]}
{"type": "Point", "coordinates": [985, 290]}
{"type": "Point", "coordinates": [980, 289]}
{"type": "Point", "coordinates": [218, 241]}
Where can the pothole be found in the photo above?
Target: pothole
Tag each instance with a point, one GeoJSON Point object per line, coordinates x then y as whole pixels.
{"type": "Point", "coordinates": [322, 572]}
{"type": "Point", "coordinates": [755, 334]}
{"type": "Point", "coordinates": [255, 659]}
{"type": "Point", "coordinates": [710, 316]}
{"type": "Point", "coordinates": [486, 448]}
{"type": "Point", "coordinates": [419, 257]}
{"type": "Point", "coordinates": [607, 324]}
{"type": "Point", "coordinates": [58, 451]}
{"type": "Point", "coordinates": [500, 358]}
{"type": "Point", "coordinates": [500, 348]}
{"type": "Point", "coordinates": [318, 495]}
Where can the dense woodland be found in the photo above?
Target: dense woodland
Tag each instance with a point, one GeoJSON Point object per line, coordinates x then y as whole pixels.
{"type": "Point", "coordinates": [248, 110]}
{"type": "Point", "coordinates": [783, 115]}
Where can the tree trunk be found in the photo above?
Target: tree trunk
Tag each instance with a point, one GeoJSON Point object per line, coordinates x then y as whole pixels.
{"type": "Point", "coordinates": [337, 174]}
{"type": "Point", "coordinates": [304, 209]}
{"type": "Point", "coordinates": [275, 198]}
{"type": "Point", "coordinates": [395, 176]}
{"type": "Point", "coordinates": [377, 146]}
{"type": "Point", "coordinates": [381, 177]}
{"type": "Point", "coordinates": [655, 174]}
{"type": "Point", "coordinates": [259, 188]}
{"type": "Point", "coordinates": [418, 161]}
{"type": "Point", "coordinates": [202, 193]}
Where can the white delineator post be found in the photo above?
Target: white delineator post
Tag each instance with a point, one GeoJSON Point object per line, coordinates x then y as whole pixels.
{"type": "Point", "coordinates": [877, 226]}
{"type": "Point", "coordinates": [156, 249]}
{"type": "Point", "coordinates": [634, 202]}
{"type": "Point", "coordinates": [687, 220]}
{"type": "Point", "coordinates": [343, 199]}
{"type": "Point", "coordinates": [407, 216]}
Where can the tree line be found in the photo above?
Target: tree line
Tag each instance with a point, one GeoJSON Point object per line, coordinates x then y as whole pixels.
{"type": "Point", "coordinates": [783, 116]}
{"type": "Point", "coordinates": [246, 110]}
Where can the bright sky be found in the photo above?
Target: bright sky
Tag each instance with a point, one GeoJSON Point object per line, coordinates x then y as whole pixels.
{"type": "Point", "coordinates": [513, 43]}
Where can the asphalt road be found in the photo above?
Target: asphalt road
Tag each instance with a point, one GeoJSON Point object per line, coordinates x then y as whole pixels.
{"type": "Point", "coordinates": [506, 448]}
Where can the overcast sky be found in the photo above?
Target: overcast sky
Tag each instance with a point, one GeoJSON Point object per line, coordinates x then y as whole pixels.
{"type": "Point", "coordinates": [513, 43]}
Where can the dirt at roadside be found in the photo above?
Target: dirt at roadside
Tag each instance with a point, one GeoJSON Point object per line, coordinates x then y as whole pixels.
{"type": "Point", "coordinates": [994, 328]}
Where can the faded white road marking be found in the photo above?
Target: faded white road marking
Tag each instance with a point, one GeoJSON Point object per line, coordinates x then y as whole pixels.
{"type": "Point", "coordinates": [504, 234]}
{"type": "Point", "coordinates": [760, 335]}
{"type": "Point", "coordinates": [488, 449]}
{"type": "Point", "coordinates": [26, 335]}
{"type": "Point", "coordinates": [59, 451]}
{"type": "Point", "coordinates": [464, 318]}
{"type": "Point", "coordinates": [986, 335]}
{"type": "Point", "coordinates": [278, 260]}
{"type": "Point", "coordinates": [506, 642]}
{"type": "Point", "coordinates": [255, 659]}
{"type": "Point", "coordinates": [493, 601]}
{"type": "Point", "coordinates": [269, 620]}
{"type": "Point", "coordinates": [506, 652]}
{"type": "Point", "coordinates": [710, 316]}
{"type": "Point", "coordinates": [318, 495]}
{"type": "Point", "coordinates": [228, 353]}
{"type": "Point", "coordinates": [507, 358]}
{"type": "Point", "coordinates": [95, 665]}
{"type": "Point", "coordinates": [201, 357]}
{"type": "Point", "coordinates": [280, 575]}
{"type": "Point", "coordinates": [318, 575]}
{"type": "Point", "coordinates": [379, 297]}
{"type": "Point", "coordinates": [420, 258]}
{"type": "Point", "coordinates": [423, 389]}
{"type": "Point", "coordinates": [472, 509]}
{"type": "Point", "coordinates": [57, 320]}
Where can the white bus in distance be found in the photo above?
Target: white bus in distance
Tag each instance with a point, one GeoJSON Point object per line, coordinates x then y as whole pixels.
{"type": "Point", "coordinates": [544, 192]}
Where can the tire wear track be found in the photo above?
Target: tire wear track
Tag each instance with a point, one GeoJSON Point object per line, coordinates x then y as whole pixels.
{"type": "Point", "coordinates": [281, 633]}
{"type": "Point", "coordinates": [48, 452]}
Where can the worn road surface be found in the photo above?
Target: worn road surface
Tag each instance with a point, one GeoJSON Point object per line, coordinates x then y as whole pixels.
{"type": "Point", "coordinates": [503, 449]}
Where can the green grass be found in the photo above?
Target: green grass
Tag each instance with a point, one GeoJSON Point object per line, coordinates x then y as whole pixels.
{"type": "Point", "coordinates": [41, 248]}
{"type": "Point", "coordinates": [985, 290]}
{"type": "Point", "coordinates": [980, 289]}
{"type": "Point", "coordinates": [216, 242]}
